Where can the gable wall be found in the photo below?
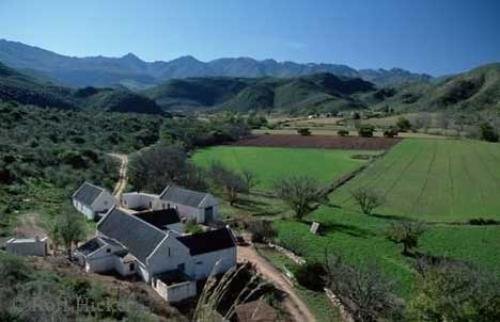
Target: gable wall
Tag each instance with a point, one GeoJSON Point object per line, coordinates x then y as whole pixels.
{"type": "Point", "coordinates": [203, 264]}
{"type": "Point", "coordinates": [168, 256]}
{"type": "Point", "coordinates": [104, 202]}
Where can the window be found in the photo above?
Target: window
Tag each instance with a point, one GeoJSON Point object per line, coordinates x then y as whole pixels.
{"type": "Point", "coordinates": [168, 251]}
{"type": "Point", "coordinates": [150, 204]}
{"type": "Point", "coordinates": [108, 250]}
{"type": "Point", "coordinates": [199, 263]}
{"type": "Point", "coordinates": [131, 266]}
{"type": "Point", "coordinates": [181, 267]}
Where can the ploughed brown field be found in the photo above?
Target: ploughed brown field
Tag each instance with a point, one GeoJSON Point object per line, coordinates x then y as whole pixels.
{"type": "Point", "coordinates": [319, 141]}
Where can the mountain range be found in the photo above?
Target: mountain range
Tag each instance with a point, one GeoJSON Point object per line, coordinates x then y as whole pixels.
{"type": "Point", "coordinates": [132, 72]}
{"type": "Point", "coordinates": [477, 90]}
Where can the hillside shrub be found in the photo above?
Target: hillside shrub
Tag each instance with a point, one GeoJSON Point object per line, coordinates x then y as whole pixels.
{"type": "Point", "coordinates": [488, 133]}
{"type": "Point", "coordinates": [482, 222]}
{"type": "Point", "coordinates": [366, 130]}
{"type": "Point", "coordinates": [343, 133]}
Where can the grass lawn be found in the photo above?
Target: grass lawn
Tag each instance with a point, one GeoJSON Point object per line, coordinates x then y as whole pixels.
{"type": "Point", "coordinates": [270, 164]}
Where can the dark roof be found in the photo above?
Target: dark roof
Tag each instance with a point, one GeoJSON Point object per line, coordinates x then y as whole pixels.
{"type": "Point", "coordinates": [90, 246]}
{"type": "Point", "coordinates": [87, 193]}
{"type": "Point", "coordinates": [160, 218]}
{"type": "Point", "coordinates": [139, 237]}
{"type": "Point", "coordinates": [209, 241]}
{"type": "Point", "coordinates": [172, 277]}
{"type": "Point", "coordinates": [183, 196]}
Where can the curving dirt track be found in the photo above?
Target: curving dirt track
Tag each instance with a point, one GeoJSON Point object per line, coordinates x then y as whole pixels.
{"type": "Point", "coordinates": [294, 305]}
{"type": "Point", "coordinates": [122, 177]}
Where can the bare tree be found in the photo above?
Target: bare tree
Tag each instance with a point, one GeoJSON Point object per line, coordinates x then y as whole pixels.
{"type": "Point", "coordinates": [367, 199]}
{"type": "Point", "coordinates": [406, 233]}
{"type": "Point", "coordinates": [153, 168]}
{"type": "Point", "coordinates": [250, 178]}
{"type": "Point", "coordinates": [300, 193]}
{"type": "Point", "coordinates": [365, 292]}
{"type": "Point", "coordinates": [230, 182]}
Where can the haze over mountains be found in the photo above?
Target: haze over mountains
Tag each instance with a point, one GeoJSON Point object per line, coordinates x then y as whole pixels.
{"type": "Point", "coordinates": [134, 73]}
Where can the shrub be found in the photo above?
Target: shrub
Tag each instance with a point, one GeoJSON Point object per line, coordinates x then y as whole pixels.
{"type": "Point", "coordinates": [343, 133]}
{"type": "Point", "coordinates": [406, 233]}
{"type": "Point", "coordinates": [261, 231]}
{"type": "Point", "coordinates": [304, 131]}
{"type": "Point", "coordinates": [488, 133]}
{"type": "Point", "coordinates": [366, 130]}
{"type": "Point", "coordinates": [482, 221]}
{"type": "Point", "coordinates": [311, 275]}
{"type": "Point", "coordinates": [193, 228]}
{"type": "Point", "coordinates": [403, 124]}
{"type": "Point", "coordinates": [367, 199]}
{"type": "Point", "coordinates": [391, 132]}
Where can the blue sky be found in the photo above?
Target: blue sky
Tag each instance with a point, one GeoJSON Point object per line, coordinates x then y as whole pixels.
{"type": "Point", "coordinates": [437, 37]}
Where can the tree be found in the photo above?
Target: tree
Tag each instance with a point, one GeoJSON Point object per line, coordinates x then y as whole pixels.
{"type": "Point", "coordinates": [250, 179]}
{"type": "Point", "coordinates": [304, 131]}
{"type": "Point", "coordinates": [230, 182]}
{"type": "Point", "coordinates": [69, 228]}
{"type": "Point", "coordinates": [153, 168]}
{"type": "Point", "coordinates": [366, 130]}
{"type": "Point", "coordinates": [455, 291]}
{"type": "Point", "coordinates": [300, 193]}
{"type": "Point", "coordinates": [488, 133]}
{"type": "Point", "coordinates": [403, 124]}
{"type": "Point", "coordinates": [367, 199]}
{"type": "Point", "coordinates": [406, 233]}
{"type": "Point", "coordinates": [365, 292]}
{"type": "Point", "coordinates": [261, 231]}
{"type": "Point", "coordinates": [311, 275]}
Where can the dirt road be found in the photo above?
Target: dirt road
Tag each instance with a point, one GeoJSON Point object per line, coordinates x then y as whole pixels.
{"type": "Point", "coordinates": [122, 177]}
{"type": "Point", "coordinates": [294, 305]}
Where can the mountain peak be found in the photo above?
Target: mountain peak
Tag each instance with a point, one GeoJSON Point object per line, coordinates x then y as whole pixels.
{"type": "Point", "coordinates": [131, 57]}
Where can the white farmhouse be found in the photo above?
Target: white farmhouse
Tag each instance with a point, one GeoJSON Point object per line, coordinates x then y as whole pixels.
{"type": "Point", "coordinates": [92, 201]}
{"type": "Point", "coordinates": [151, 245]}
{"type": "Point", "coordinates": [191, 205]}
{"type": "Point", "coordinates": [199, 206]}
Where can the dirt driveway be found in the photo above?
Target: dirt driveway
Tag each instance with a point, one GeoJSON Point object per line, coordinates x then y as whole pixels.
{"type": "Point", "coordinates": [294, 305]}
{"type": "Point", "coordinates": [122, 177]}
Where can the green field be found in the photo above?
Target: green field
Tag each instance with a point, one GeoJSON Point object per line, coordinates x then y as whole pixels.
{"type": "Point", "coordinates": [270, 164]}
{"type": "Point", "coordinates": [442, 182]}
{"type": "Point", "coordinates": [434, 180]}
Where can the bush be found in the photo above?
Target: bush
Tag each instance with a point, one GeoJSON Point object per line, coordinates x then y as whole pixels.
{"type": "Point", "coordinates": [488, 133]}
{"type": "Point", "coordinates": [304, 131]}
{"type": "Point", "coordinates": [261, 231]}
{"type": "Point", "coordinates": [403, 124]}
{"type": "Point", "coordinates": [311, 275]}
{"type": "Point", "coordinates": [391, 132]}
{"type": "Point", "coordinates": [343, 133]}
{"type": "Point", "coordinates": [482, 222]}
{"type": "Point", "coordinates": [193, 228]}
{"type": "Point", "coordinates": [366, 131]}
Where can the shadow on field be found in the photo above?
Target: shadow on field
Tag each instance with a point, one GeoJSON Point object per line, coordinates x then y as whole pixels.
{"type": "Point", "coordinates": [392, 217]}
{"type": "Point", "coordinates": [257, 208]}
{"type": "Point", "coordinates": [342, 228]}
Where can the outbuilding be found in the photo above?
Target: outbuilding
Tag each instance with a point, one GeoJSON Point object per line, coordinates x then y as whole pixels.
{"type": "Point", "coordinates": [92, 201]}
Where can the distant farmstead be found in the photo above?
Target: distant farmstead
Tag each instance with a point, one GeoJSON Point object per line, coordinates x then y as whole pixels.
{"type": "Point", "coordinates": [92, 201]}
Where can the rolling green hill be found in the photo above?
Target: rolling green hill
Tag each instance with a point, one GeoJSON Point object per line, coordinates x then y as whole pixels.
{"type": "Point", "coordinates": [321, 92]}
{"type": "Point", "coordinates": [476, 90]}
{"type": "Point", "coordinates": [28, 90]}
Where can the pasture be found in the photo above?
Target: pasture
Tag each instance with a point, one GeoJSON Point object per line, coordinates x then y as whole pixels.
{"type": "Point", "coordinates": [270, 164]}
{"type": "Point", "coordinates": [433, 180]}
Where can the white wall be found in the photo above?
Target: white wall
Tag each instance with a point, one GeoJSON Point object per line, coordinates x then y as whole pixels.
{"type": "Point", "coordinates": [168, 256]}
{"type": "Point", "coordinates": [123, 267]}
{"type": "Point", "coordinates": [104, 202]}
{"type": "Point", "coordinates": [138, 200]}
{"type": "Point", "coordinates": [176, 292]}
{"type": "Point", "coordinates": [203, 264]}
{"type": "Point", "coordinates": [86, 211]}
{"type": "Point", "coordinates": [27, 247]}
